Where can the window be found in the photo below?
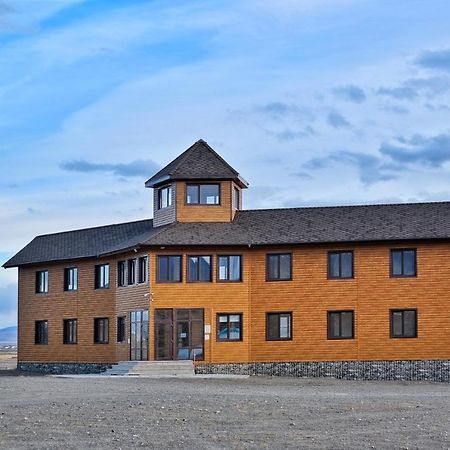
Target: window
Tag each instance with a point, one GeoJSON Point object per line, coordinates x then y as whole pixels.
{"type": "Point", "coordinates": [203, 194]}
{"type": "Point", "coordinates": [42, 282]}
{"type": "Point", "coordinates": [199, 268]}
{"type": "Point", "coordinates": [229, 327]}
{"type": "Point", "coordinates": [340, 264]}
{"type": "Point", "coordinates": [403, 323]}
{"type": "Point", "coordinates": [121, 329]}
{"type": "Point", "coordinates": [236, 198]}
{"type": "Point", "coordinates": [403, 262]}
{"type": "Point", "coordinates": [229, 268]}
{"type": "Point", "coordinates": [169, 269]}
{"type": "Point", "coordinates": [41, 332]}
{"type": "Point", "coordinates": [165, 197]}
{"type": "Point", "coordinates": [102, 276]}
{"type": "Point", "coordinates": [121, 273]}
{"type": "Point", "coordinates": [340, 325]}
{"type": "Point", "coordinates": [101, 330]}
{"type": "Point", "coordinates": [143, 269]}
{"type": "Point", "coordinates": [279, 267]}
{"type": "Point", "coordinates": [278, 326]}
{"type": "Point", "coordinates": [71, 279]}
{"type": "Point", "coordinates": [70, 331]}
{"type": "Point", "coordinates": [131, 271]}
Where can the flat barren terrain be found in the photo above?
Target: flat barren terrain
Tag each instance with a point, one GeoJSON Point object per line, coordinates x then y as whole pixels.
{"type": "Point", "coordinates": [46, 412]}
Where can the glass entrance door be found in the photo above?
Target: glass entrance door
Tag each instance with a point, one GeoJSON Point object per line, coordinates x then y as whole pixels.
{"type": "Point", "coordinates": [163, 334]}
{"type": "Point", "coordinates": [188, 334]}
{"type": "Point", "coordinates": [139, 335]}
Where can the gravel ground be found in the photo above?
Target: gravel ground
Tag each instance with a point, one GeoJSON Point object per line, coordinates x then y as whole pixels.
{"type": "Point", "coordinates": [277, 413]}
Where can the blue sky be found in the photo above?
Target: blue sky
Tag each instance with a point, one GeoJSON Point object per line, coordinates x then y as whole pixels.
{"type": "Point", "coordinates": [315, 102]}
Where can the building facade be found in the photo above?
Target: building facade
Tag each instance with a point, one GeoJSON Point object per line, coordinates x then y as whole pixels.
{"type": "Point", "coordinates": [298, 291]}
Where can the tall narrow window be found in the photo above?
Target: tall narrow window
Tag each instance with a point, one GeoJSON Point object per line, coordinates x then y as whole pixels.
{"type": "Point", "coordinates": [70, 279]}
{"type": "Point", "coordinates": [236, 198]}
{"type": "Point", "coordinates": [101, 330]}
{"type": "Point", "coordinates": [229, 268]}
{"type": "Point", "coordinates": [165, 197]}
{"type": "Point", "coordinates": [121, 273]}
{"type": "Point", "coordinates": [121, 329]}
{"type": "Point", "coordinates": [131, 271]}
{"type": "Point", "coordinates": [169, 269]}
{"type": "Point", "coordinates": [278, 326]}
{"type": "Point", "coordinates": [340, 264]}
{"type": "Point", "coordinates": [403, 323]}
{"type": "Point", "coordinates": [143, 269]}
{"type": "Point", "coordinates": [229, 327]}
{"type": "Point", "coordinates": [41, 281]}
{"type": "Point", "coordinates": [279, 267]}
{"type": "Point", "coordinates": [403, 262]}
{"type": "Point", "coordinates": [70, 331]}
{"type": "Point", "coordinates": [41, 332]}
{"type": "Point", "coordinates": [203, 194]}
{"type": "Point", "coordinates": [199, 268]}
{"type": "Point", "coordinates": [102, 276]}
{"type": "Point", "coordinates": [340, 325]}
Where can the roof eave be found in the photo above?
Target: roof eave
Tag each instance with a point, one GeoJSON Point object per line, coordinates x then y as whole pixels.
{"type": "Point", "coordinates": [152, 182]}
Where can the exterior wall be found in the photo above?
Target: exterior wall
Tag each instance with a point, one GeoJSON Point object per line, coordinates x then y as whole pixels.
{"type": "Point", "coordinates": [166, 215]}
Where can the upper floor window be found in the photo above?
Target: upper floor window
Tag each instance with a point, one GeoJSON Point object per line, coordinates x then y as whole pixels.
{"type": "Point", "coordinates": [403, 262]}
{"type": "Point", "coordinates": [101, 330]}
{"type": "Point", "coordinates": [203, 194]}
{"type": "Point", "coordinates": [131, 271]}
{"type": "Point", "coordinates": [102, 276]}
{"type": "Point", "coordinates": [41, 281]}
{"type": "Point", "coordinates": [70, 279]}
{"type": "Point", "coordinates": [121, 273]}
{"type": "Point", "coordinates": [169, 269]}
{"type": "Point", "coordinates": [279, 267]}
{"type": "Point", "coordinates": [143, 269]}
{"type": "Point", "coordinates": [199, 268]}
{"type": "Point", "coordinates": [340, 325]}
{"type": "Point", "coordinates": [165, 197]}
{"type": "Point", "coordinates": [236, 198]}
{"type": "Point", "coordinates": [229, 327]}
{"type": "Point", "coordinates": [70, 331]}
{"type": "Point", "coordinates": [41, 332]}
{"type": "Point", "coordinates": [340, 264]}
{"type": "Point", "coordinates": [403, 323]}
{"type": "Point", "coordinates": [279, 326]}
{"type": "Point", "coordinates": [229, 268]}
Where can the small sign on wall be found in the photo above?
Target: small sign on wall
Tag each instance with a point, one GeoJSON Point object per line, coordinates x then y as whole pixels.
{"type": "Point", "coordinates": [206, 337]}
{"type": "Point", "coordinates": [207, 329]}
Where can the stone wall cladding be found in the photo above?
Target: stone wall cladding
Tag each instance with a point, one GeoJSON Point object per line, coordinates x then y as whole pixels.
{"type": "Point", "coordinates": [434, 370]}
{"type": "Point", "coordinates": [63, 368]}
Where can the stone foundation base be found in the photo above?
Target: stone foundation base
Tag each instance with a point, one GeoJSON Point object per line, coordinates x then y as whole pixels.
{"type": "Point", "coordinates": [62, 368]}
{"type": "Point", "coordinates": [434, 370]}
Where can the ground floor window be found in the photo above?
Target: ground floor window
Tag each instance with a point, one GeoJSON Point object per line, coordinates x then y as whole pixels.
{"type": "Point", "coordinates": [70, 331]}
{"type": "Point", "coordinates": [340, 325]}
{"type": "Point", "coordinates": [403, 323]}
{"type": "Point", "coordinates": [229, 327]}
{"type": "Point", "coordinates": [121, 329]}
{"type": "Point", "coordinates": [279, 326]}
{"type": "Point", "coordinates": [101, 330]}
{"type": "Point", "coordinates": [41, 332]}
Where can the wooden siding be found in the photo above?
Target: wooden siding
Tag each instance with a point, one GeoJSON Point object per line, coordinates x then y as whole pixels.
{"type": "Point", "coordinates": [166, 215]}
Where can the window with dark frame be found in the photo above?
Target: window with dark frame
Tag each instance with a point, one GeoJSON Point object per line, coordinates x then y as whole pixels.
{"type": "Point", "coordinates": [41, 332]}
{"type": "Point", "coordinates": [70, 279]}
{"type": "Point", "coordinates": [279, 266]}
{"type": "Point", "coordinates": [41, 282]}
{"type": "Point", "coordinates": [199, 268]}
{"type": "Point", "coordinates": [229, 327]}
{"type": "Point", "coordinates": [142, 269]}
{"type": "Point", "coordinates": [102, 276]}
{"type": "Point", "coordinates": [101, 330]}
{"type": "Point", "coordinates": [131, 263]}
{"type": "Point", "coordinates": [121, 329]}
{"type": "Point", "coordinates": [169, 269]}
{"type": "Point", "coordinates": [202, 194]}
{"type": "Point", "coordinates": [279, 326]}
{"type": "Point", "coordinates": [121, 273]}
{"type": "Point", "coordinates": [403, 262]}
{"type": "Point", "coordinates": [229, 268]}
{"type": "Point", "coordinates": [236, 198]}
{"type": "Point", "coordinates": [340, 324]}
{"type": "Point", "coordinates": [70, 331]}
{"type": "Point", "coordinates": [340, 264]}
{"type": "Point", "coordinates": [403, 323]}
{"type": "Point", "coordinates": [164, 197]}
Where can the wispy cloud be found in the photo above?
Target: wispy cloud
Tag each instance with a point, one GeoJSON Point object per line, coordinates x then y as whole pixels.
{"type": "Point", "coordinates": [289, 135]}
{"type": "Point", "coordinates": [399, 93]}
{"type": "Point", "coordinates": [351, 93]}
{"type": "Point", "coordinates": [435, 59]}
{"type": "Point", "coordinates": [337, 120]}
{"type": "Point", "coordinates": [279, 110]}
{"type": "Point", "coordinates": [132, 169]}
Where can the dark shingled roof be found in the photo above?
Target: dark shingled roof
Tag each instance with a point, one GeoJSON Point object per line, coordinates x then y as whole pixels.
{"type": "Point", "coordinates": [198, 162]}
{"type": "Point", "coordinates": [346, 224]}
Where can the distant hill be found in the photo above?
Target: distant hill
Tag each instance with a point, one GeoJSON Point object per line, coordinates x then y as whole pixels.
{"type": "Point", "coordinates": [8, 335]}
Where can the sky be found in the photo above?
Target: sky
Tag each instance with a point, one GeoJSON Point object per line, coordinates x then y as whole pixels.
{"type": "Point", "coordinates": [322, 102]}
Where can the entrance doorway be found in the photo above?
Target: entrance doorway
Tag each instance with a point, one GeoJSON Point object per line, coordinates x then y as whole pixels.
{"type": "Point", "coordinates": [179, 334]}
{"type": "Point", "coordinates": [139, 335]}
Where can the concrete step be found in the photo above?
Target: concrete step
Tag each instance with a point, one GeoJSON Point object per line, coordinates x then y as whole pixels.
{"type": "Point", "coordinates": [151, 368]}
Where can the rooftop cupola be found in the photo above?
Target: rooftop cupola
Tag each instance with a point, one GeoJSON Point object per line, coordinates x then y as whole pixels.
{"type": "Point", "coordinates": [197, 186]}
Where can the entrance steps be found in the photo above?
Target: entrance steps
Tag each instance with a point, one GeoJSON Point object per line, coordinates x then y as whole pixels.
{"type": "Point", "coordinates": [151, 369]}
